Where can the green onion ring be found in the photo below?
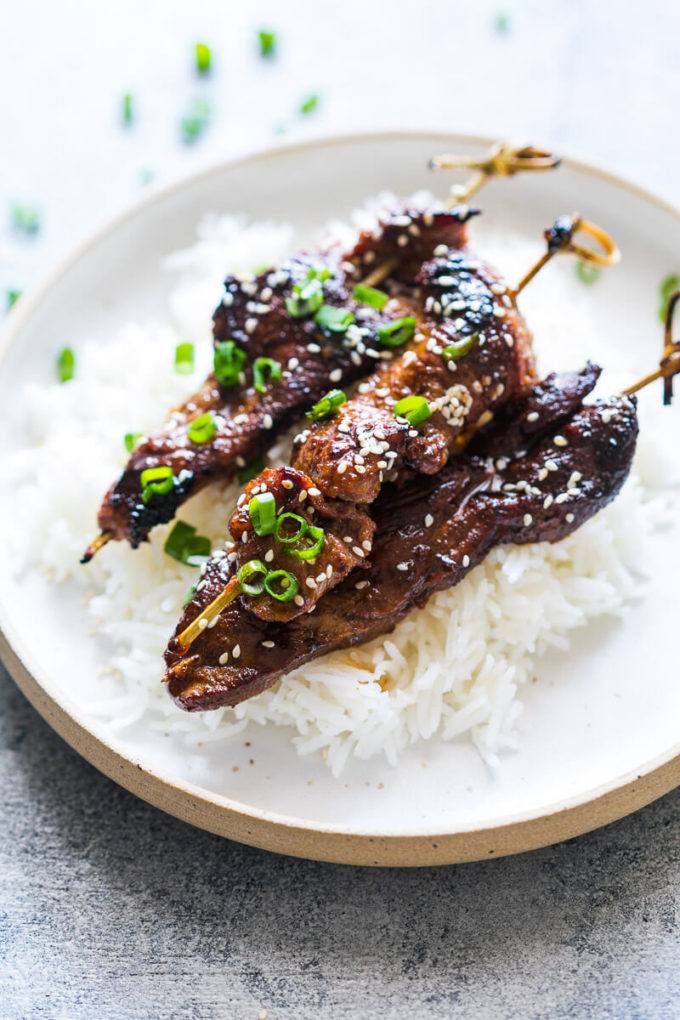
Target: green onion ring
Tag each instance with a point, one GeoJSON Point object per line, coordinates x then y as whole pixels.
{"type": "Point", "coordinates": [202, 429]}
{"type": "Point", "coordinates": [262, 511]}
{"type": "Point", "coordinates": [280, 523]}
{"type": "Point", "coordinates": [310, 552]}
{"type": "Point", "coordinates": [415, 409]}
{"type": "Point", "coordinates": [288, 585]}
{"type": "Point", "coordinates": [247, 572]}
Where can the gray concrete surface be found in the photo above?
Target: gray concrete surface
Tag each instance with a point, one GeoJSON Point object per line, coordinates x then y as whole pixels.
{"type": "Point", "coordinates": [111, 910]}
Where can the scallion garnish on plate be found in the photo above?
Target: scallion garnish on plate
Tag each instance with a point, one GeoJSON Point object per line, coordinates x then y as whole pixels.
{"type": "Point", "coordinates": [185, 546]}
{"type": "Point", "coordinates": [25, 218]}
{"type": "Point", "coordinates": [203, 58]}
{"type": "Point", "coordinates": [66, 364]}
{"type": "Point", "coordinates": [263, 367]}
{"type": "Point", "coordinates": [414, 409]}
{"type": "Point", "coordinates": [309, 104]}
{"type": "Point", "coordinates": [327, 405]}
{"type": "Point", "coordinates": [131, 440]}
{"type": "Point", "coordinates": [228, 363]}
{"type": "Point", "coordinates": [267, 40]}
{"type": "Point", "coordinates": [335, 320]}
{"type": "Point", "coordinates": [370, 296]}
{"type": "Point", "coordinates": [12, 297]}
{"type": "Point", "coordinates": [184, 359]}
{"type": "Point", "coordinates": [586, 272]}
{"type": "Point", "coordinates": [398, 332]}
{"type": "Point", "coordinates": [128, 110]}
{"type": "Point", "coordinates": [196, 120]}
{"type": "Point", "coordinates": [202, 429]}
{"type": "Point", "coordinates": [262, 513]}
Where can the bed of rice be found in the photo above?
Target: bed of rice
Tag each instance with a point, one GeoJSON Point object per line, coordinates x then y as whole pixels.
{"type": "Point", "coordinates": [454, 669]}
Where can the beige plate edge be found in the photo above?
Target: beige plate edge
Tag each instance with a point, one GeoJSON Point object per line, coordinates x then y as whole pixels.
{"type": "Point", "coordinates": [285, 835]}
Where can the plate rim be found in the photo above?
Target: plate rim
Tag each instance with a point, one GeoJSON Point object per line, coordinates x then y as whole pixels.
{"type": "Point", "coordinates": [287, 834]}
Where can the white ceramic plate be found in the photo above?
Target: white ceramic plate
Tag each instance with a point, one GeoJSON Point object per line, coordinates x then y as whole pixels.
{"type": "Point", "coordinates": [600, 729]}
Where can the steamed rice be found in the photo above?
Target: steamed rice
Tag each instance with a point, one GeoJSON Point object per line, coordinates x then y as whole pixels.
{"type": "Point", "coordinates": [453, 669]}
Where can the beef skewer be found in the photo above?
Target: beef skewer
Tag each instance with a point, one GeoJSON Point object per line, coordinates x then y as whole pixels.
{"type": "Point", "coordinates": [368, 443]}
{"type": "Point", "coordinates": [232, 420]}
{"type": "Point", "coordinates": [536, 476]}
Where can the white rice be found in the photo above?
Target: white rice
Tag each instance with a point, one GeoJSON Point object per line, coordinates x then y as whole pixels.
{"type": "Point", "coordinates": [451, 670]}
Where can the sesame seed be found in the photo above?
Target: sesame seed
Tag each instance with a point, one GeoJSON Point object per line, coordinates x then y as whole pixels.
{"type": "Point", "coordinates": [466, 560]}
{"type": "Point", "coordinates": [551, 465]}
{"type": "Point", "coordinates": [342, 467]}
{"type": "Point", "coordinates": [320, 578]}
{"type": "Point", "coordinates": [269, 555]}
{"type": "Point", "coordinates": [313, 348]}
{"type": "Point", "coordinates": [369, 256]}
{"type": "Point", "coordinates": [298, 600]}
{"type": "Point", "coordinates": [562, 498]}
{"type": "Point", "coordinates": [357, 551]}
{"type": "Point", "coordinates": [441, 249]}
{"type": "Point", "coordinates": [329, 571]}
{"type": "Point", "coordinates": [402, 240]}
{"type": "Point", "coordinates": [268, 644]}
{"type": "Point", "coordinates": [361, 584]}
{"type": "Point", "coordinates": [527, 519]}
{"type": "Point", "coordinates": [533, 416]}
{"type": "Point", "coordinates": [202, 624]}
{"type": "Point", "coordinates": [560, 441]}
{"type": "Point", "coordinates": [302, 495]}
{"type": "Point", "coordinates": [402, 566]}
{"type": "Point", "coordinates": [236, 651]}
{"type": "Point", "coordinates": [310, 582]}
{"type": "Point", "coordinates": [287, 484]}
{"type": "Point", "coordinates": [224, 658]}
{"type": "Point", "coordinates": [293, 363]}
{"type": "Point", "coordinates": [428, 220]}
{"type": "Point", "coordinates": [547, 502]}
{"type": "Point", "coordinates": [268, 421]}
{"type": "Point", "coordinates": [429, 520]}
{"type": "Point", "coordinates": [251, 325]}
{"type": "Point", "coordinates": [366, 545]}
{"type": "Point", "coordinates": [335, 375]}
{"type": "Point", "coordinates": [570, 518]}
{"type": "Point", "coordinates": [348, 539]}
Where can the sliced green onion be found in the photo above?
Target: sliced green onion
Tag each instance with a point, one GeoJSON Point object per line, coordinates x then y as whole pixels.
{"type": "Point", "coordinates": [194, 123]}
{"type": "Point", "coordinates": [252, 576]}
{"type": "Point", "coordinates": [398, 332]}
{"type": "Point", "coordinates": [184, 359]}
{"type": "Point", "coordinates": [587, 272]}
{"type": "Point", "coordinates": [336, 320]}
{"type": "Point", "coordinates": [327, 405]}
{"type": "Point", "coordinates": [190, 595]}
{"type": "Point", "coordinates": [284, 521]}
{"type": "Point", "coordinates": [310, 552]}
{"type": "Point", "coordinates": [146, 177]}
{"type": "Point", "coordinates": [262, 512]}
{"type": "Point", "coordinates": [370, 296]}
{"type": "Point", "coordinates": [25, 218]}
{"type": "Point", "coordinates": [156, 482]}
{"type": "Point", "coordinates": [228, 362]}
{"type": "Point", "coordinates": [250, 471]}
{"type": "Point", "coordinates": [415, 409]}
{"type": "Point", "coordinates": [666, 289]}
{"type": "Point", "coordinates": [185, 546]}
{"type": "Point", "coordinates": [267, 43]}
{"type": "Point", "coordinates": [202, 429]}
{"type": "Point", "coordinates": [307, 298]}
{"type": "Point", "coordinates": [66, 364]}
{"type": "Point", "coordinates": [262, 366]}
{"type": "Point", "coordinates": [502, 23]}
{"type": "Point", "coordinates": [131, 440]}
{"type": "Point", "coordinates": [128, 109]}
{"type": "Point", "coordinates": [12, 297]}
{"type": "Point", "coordinates": [310, 104]}
{"type": "Point", "coordinates": [202, 58]}
{"type": "Point", "coordinates": [281, 585]}
{"type": "Point", "coordinates": [460, 348]}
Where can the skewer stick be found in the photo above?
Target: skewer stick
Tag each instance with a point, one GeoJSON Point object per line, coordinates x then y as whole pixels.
{"type": "Point", "coordinates": [94, 546]}
{"type": "Point", "coordinates": [670, 359]}
{"type": "Point", "coordinates": [502, 160]}
{"type": "Point", "coordinates": [207, 615]}
{"type": "Point", "coordinates": [560, 238]}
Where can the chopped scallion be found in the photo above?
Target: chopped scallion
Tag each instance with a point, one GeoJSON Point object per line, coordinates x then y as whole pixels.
{"type": "Point", "coordinates": [587, 272]}
{"type": "Point", "coordinates": [66, 364]}
{"type": "Point", "coordinates": [262, 513]}
{"type": "Point", "coordinates": [202, 58]}
{"type": "Point", "coordinates": [310, 552]}
{"type": "Point", "coordinates": [281, 585]}
{"type": "Point", "coordinates": [25, 218]}
{"type": "Point", "coordinates": [194, 123]}
{"type": "Point", "coordinates": [128, 108]}
{"type": "Point", "coordinates": [327, 405]}
{"type": "Point", "coordinates": [287, 520]}
{"type": "Point", "coordinates": [398, 332]}
{"type": "Point", "coordinates": [335, 320]}
{"type": "Point", "coordinates": [415, 409]}
{"type": "Point", "coordinates": [252, 577]}
{"type": "Point", "coordinates": [267, 43]}
{"type": "Point", "coordinates": [666, 290]}
{"type": "Point", "coordinates": [202, 429]}
{"type": "Point", "coordinates": [307, 298]}
{"type": "Point", "coordinates": [309, 104]}
{"type": "Point", "coordinates": [262, 367]}
{"type": "Point", "coordinates": [184, 359]}
{"type": "Point", "coordinates": [156, 481]}
{"type": "Point", "coordinates": [190, 595]}
{"type": "Point", "coordinates": [460, 348]}
{"type": "Point", "coordinates": [185, 546]}
{"type": "Point", "coordinates": [250, 471]}
{"type": "Point", "coordinates": [132, 440]}
{"type": "Point", "coordinates": [12, 297]}
{"type": "Point", "coordinates": [370, 296]}
{"type": "Point", "coordinates": [228, 363]}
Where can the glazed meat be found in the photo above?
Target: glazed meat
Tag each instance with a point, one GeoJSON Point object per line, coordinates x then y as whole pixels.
{"type": "Point", "coordinates": [559, 464]}
{"type": "Point", "coordinates": [366, 443]}
{"type": "Point", "coordinates": [267, 318]}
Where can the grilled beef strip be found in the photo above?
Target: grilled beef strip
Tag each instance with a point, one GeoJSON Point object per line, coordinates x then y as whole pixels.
{"type": "Point", "coordinates": [552, 474]}
{"type": "Point", "coordinates": [254, 316]}
{"type": "Point", "coordinates": [364, 445]}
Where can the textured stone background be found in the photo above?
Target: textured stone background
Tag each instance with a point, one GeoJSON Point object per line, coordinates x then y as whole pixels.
{"type": "Point", "coordinates": [109, 909]}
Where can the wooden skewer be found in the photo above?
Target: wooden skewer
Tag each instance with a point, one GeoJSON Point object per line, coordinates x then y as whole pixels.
{"type": "Point", "coordinates": [670, 359]}
{"type": "Point", "coordinates": [560, 238]}
{"type": "Point", "coordinates": [207, 615]}
{"type": "Point", "coordinates": [96, 545]}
